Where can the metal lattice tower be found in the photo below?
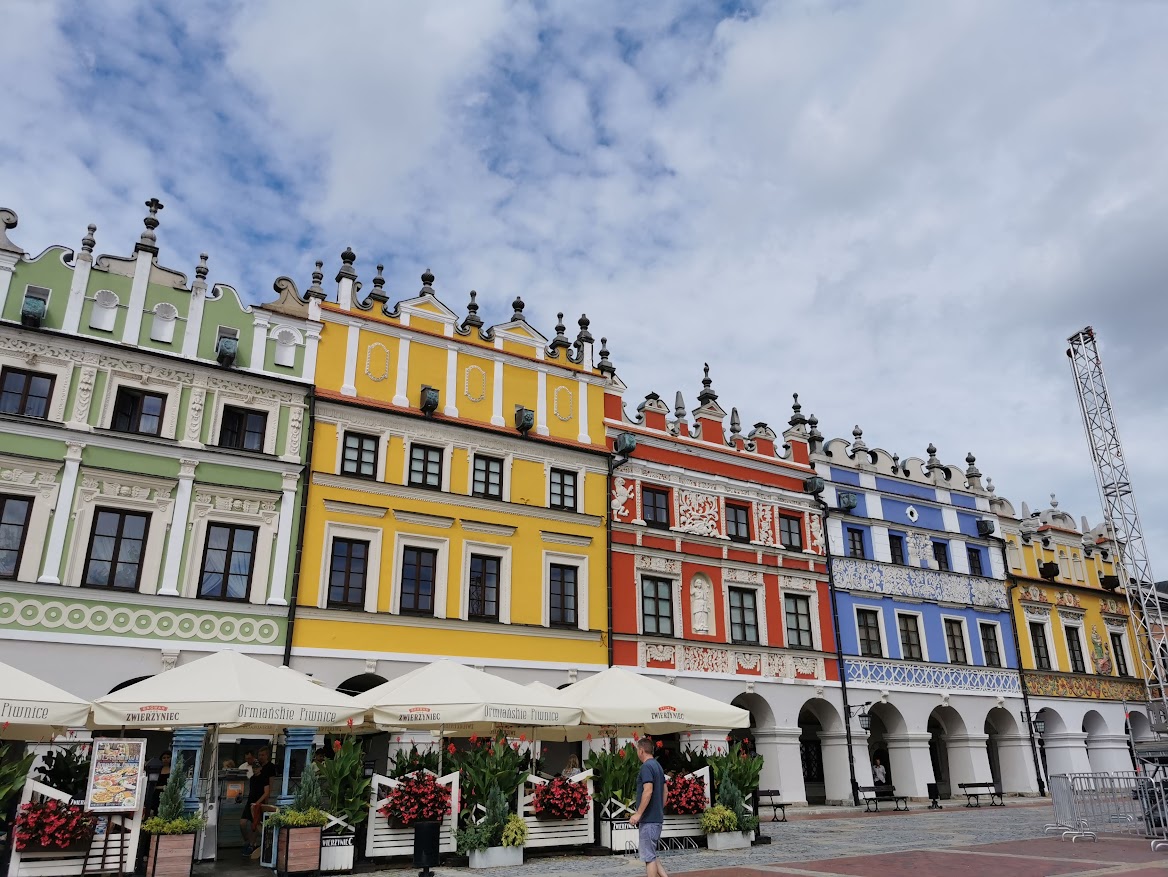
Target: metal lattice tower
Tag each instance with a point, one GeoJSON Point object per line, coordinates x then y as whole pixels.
{"type": "Point", "coordinates": [1119, 506]}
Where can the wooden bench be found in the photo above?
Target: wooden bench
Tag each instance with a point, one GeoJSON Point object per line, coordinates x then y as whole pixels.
{"type": "Point", "coordinates": [974, 791]}
{"type": "Point", "coordinates": [873, 795]}
{"type": "Point", "coordinates": [772, 798]}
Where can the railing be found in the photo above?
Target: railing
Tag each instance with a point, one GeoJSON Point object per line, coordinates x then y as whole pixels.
{"type": "Point", "coordinates": [1087, 805]}
{"type": "Point", "coordinates": [383, 840]}
{"type": "Point", "coordinates": [946, 677]}
{"type": "Point", "coordinates": [556, 832]}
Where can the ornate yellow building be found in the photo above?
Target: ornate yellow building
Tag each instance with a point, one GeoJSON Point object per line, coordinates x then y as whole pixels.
{"type": "Point", "coordinates": [457, 495]}
{"type": "Point", "coordinates": [1078, 647]}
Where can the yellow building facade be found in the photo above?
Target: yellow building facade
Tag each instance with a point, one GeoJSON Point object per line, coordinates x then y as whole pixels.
{"type": "Point", "coordinates": [1081, 670]}
{"type": "Point", "coordinates": [457, 494]}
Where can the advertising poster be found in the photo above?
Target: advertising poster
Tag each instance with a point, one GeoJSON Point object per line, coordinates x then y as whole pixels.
{"type": "Point", "coordinates": [116, 781]}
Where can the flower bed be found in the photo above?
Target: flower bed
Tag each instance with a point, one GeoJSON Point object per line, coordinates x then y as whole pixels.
{"type": "Point", "coordinates": [52, 826]}
{"type": "Point", "coordinates": [685, 795]}
{"type": "Point", "coordinates": [561, 799]}
{"type": "Point", "coordinates": [417, 798]}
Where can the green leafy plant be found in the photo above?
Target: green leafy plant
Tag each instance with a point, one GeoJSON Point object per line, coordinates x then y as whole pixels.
{"type": "Point", "coordinates": [719, 819]}
{"type": "Point", "coordinates": [615, 773]}
{"type": "Point", "coordinates": [472, 838]}
{"type": "Point", "coordinates": [402, 763]}
{"type": "Point", "coordinates": [309, 794]}
{"type": "Point", "coordinates": [488, 831]}
{"type": "Point", "coordinates": [736, 765]}
{"type": "Point", "coordinates": [346, 788]}
{"type": "Point", "coordinates": [172, 817]}
{"type": "Point", "coordinates": [309, 818]}
{"type": "Point", "coordinates": [731, 797]}
{"type": "Point", "coordinates": [514, 831]}
{"type": "Point", "coordinates": [66, 769]}
{"type": "Point", "coordinates": [13, 775]}
{"type": "Point", "coordinates": [488, 764]}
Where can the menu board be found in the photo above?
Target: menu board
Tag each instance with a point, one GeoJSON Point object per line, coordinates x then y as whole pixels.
{"type": "Point", "coordinates": [115, 776]}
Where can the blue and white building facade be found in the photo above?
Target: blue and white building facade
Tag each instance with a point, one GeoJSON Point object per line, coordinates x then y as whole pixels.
{"type": "Point", "coordinates": [924, 620]}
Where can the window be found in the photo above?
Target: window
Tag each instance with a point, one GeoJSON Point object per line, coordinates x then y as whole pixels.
{"type": "Point", "coordinates": [743, 616]}
{"type": "Point", "coordinates": [563, 490]}
{"type": "Point", "coordinates": [655, 505]}
{"type": "Point", "coordinates": [855, 542]}
{"type": "Point", "coordinates": [25, 393]}
{"type": "Point", "coordinates": [657, 606]}
{"type": "Point", "coordinates": [955, 640]}
{"type": "Point", "coordinates": [115, 550]}
{"type": "Point", "coordinates": [484, 587]}
{"type": "Point", "coordinates": [896, 548]}
{"type": "Point", "coordinates": [738, 522]}
{"type": "Point", "coordinates": [1041, 650]}
{"type": "Point", "coordinates": [243, 430]}
{"type": "Point", "coordinates": [989, 645]}
{"type": "Point", "coordinates": [228, 559]}
{"type": "Point", "coordinates": [868, 622]}
{"type": "Point", "coordinates": [910, 637]}
{"type": "Point", "coordinates": [1075, 649]}
{"type": "Point", "coordinates": [562, 599]}
{"type": "Point", "coordinates": [791, 532]}
{"type": "Point", "coordinates": [425, 467]}
{"type": "Point", "coordinates": [941, 555]}
{"type": "Point", "coordinates": [488, 477]}
{"type": "Point", "coordinates": [347, 573]}
{"type": "Point", "coordinates": [359, 455]}
{"type": "Point", "coordinates": [14, 511]}
{"type": "Point", "coordinates": [974, 555]}
{"type": "Point", "coordinates": [1117, 650]}
{"type": "Point", "coordinates": [417, 580]}
{"type": "Point", "coordinates": [136, 411]}
{"type": "Point", "coordinates": [798, 610]}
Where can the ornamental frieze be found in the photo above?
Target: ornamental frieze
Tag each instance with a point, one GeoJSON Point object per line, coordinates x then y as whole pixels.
{"type": "Point", "coordinates": [1082, 686]}
{"type": "Point", "coordinates": [714, 659]}
{"type": "Point", "coordinates": [880, 674]}
{"type": "Point", "coordinates": [853, 574]}
{"type": "Point", "coordinates": [658, 564]}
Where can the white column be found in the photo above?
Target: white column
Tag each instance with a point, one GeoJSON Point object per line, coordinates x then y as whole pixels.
{"type": "Point", "coordinates": [1016, 763]}
{"type": "Point", "coordinates": [449, 408]}
{"type": "Point", "coordinates": [1066, 752]}
{"type": "Point", "coordinates": [909, 766]}
{"type": "Point", "coordinates": [283, 542]}
{"type": "Point", "coordinates": [190, 348]}
{"type": "Point", "coordinates": [80, 283]}
{"type": "Point", "coordinates": [782, 762]}
{"type": "Point", "coordinates": [582, 408]}
{"type": "Point", "coordinates": [137, 303]}
{"type": "Point", "coordinates": [349, 387]}
{"type": "Point", "coordinates": [177, 538]}
{"type": "Point", "coordinates": [51, 569]}
{"type": "Point", "coordinates": [969, 761]}
{"type": "Point", "coordinates": [311, 342]}
{"type": "Point", "coordinates": [837, 780]}
{"type": "Point", "coordinates": [497, 396]}
{"type": "Point", "coordinates": [7, 267]}
{"type": "Point", "coordinates": [541, 427]}
{"type": "Point", "coordinates": [401, 396]}
{"type": "Point", "coordinates": [259, 343]}
{"type": "Point", "coordinates": [1108, 753]}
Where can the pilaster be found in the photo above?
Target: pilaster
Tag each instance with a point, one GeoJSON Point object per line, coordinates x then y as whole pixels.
{"type": "Point", "coordinates": [782, 766]}
{"type": "Point", "coordinates": [177, 537]}
{"type": "Point", "coordinates": [62, 512]}
{"type": "Point", "coordinates": [278, 583]}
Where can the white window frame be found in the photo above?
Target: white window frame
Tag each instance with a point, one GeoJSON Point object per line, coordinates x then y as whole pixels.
{"type": "Point", "coordinates": [507, 459]}
{"type": "Point", "coordinates": [172, 392]}
{"type": "Point", "coordinates": [1050, 643]}
{"type": "Point", "coordinates": [798, 587]}
{"type": "Point", "coordinates": [225, 398]}
{"type": "Point", "coordinates": [920, 618]}
{"type": "Point", "coordinates": [447, 462]}
{"type": "Point", "coordinates": [547, 480]}
{"type": "Point", "coordinates": [997, 625]}
{"type": "Point", "coordinates": [675, 579]}
{"type": "Point", "coordinates": [373, 535]}
{"type": "Point", "coordinates": [261, 563]}
{"type": "Point", "coordinates": [42, 494]}
{"type": "Point", "coordinates": [441, 568]}
{"type": "Point", "coordinates": [964, 637]}
{"type": "Point", "coordinates": [1078, 624]}
{"type": "Point", "coordinates": [583, 608]}
{"type": "Point", "coordinates": [503, 552]}
{"type": "Point", "coordinates": [759, 609]}
{"type": "Point", "coordinates": [1127, 657]}
{"type": "Point", "coordinates": [384, 437]}
{"type": "Point", "coordinates": [879, 610]}
{"type": "Point", "coordinates": [62, 374]}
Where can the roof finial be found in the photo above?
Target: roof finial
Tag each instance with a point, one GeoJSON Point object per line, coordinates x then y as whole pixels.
{"type": "Point", "coordinates": [679, 406]}
{"type": "Point", "coordinates": [517, 307]}
{"type": "Point", "coordinates": [583, 336]}
{"type": "Point", "coordinates": [88, 242]}
{"type": "Point", "coordinates": [814, 436]}
{"type": "Point", "coordinates": [797, 418]}
{"type": "Point", "coordinates": [707, 394]}
{"type": "Point", "coordinates": [972, 471]}
{"type": "Point", "coordinates": [735, 424]}
{"type": "Point", "coordinates": [348, 257]}
{"type": "Point", "coordinates": [427, 283]}
{"type": "Point", "coordinates": [149, 240]}
{"type": "Point", "coordinates": [933, 462]}
{"type": "Point", "coordinates": [990, 485]}
{"type": "Point", "coordinates": [896, 462]}
{"type": "Point", "coordinates": [201, 270]}
{"type": "Point", "coordinates": [561, 340]}
{"type": "Point", "coordinates": [1053, 501]}
{"type": "Point", "coordinates": [858, 440]}
{"type": "Point", "coordinates": [379, 280]}
{"type": "Point", "coordinates": [316, 290]}
{"type": "Point", "coordinates": [472, 313]}
{"type": "Point", "coordinates": [605, 366]}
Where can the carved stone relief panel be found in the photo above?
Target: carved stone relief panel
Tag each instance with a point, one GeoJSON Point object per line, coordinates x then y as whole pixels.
{"type": "Point", "coordinates": [697, 513]}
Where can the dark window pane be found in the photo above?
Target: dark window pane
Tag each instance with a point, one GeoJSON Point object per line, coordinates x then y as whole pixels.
{"type": "Point", "coordinates": [1117, 651]}
{"type": "Point", "coordinates": [242, 429]}
{"type": "Point", "coordinates": [1041, 649]}
{"type": "Point", "coordinates": [974, 556]}
{"type": "Point", "coordinates": [743, 616]}
{"type": "Point", "coordinates": [941, 555]}
{"type": "Point", "coordinates": [228, 560]}
{"type": "Point", "coordinates": [657, 606]}
{"type": "Point", "coordinates": [738, 522]}
{"type": "Point", "coordinates": [910, 638]}
{"type": "Point", "coordinates": [426, 467]}
{"type": "Point", "coordinates": [989, 645]}
{"type": "Point", "coordinates": [855, 542]}
{"type": "Point", "coordinates": [417, 580]}
{"type": "Point", "coordinates": [1075, 650]}
{"type": "Point", "coordinates": [797, 609]}
{"type": "Point", "coordinates": [955, 639]}
{"type": "Point", "coordinates": [359, 455]}
{"type": "Point", "coordinates": [563, 490]}
{"type": "Point", "coordinates": [868, 622]}
{"type": "Point", "coordinates": [25, 393]}
{"type": "Point", "coordinates": [138, 412]}
{"type": "Point", "coordinates": [791, 532]}
{"type": "Point", "coordinates": [562, 595]}
{"type": "Point", "coordinates": [483, 602]}
{"type": "Point", "coordinates": [655, 507]}
{"type": "Point", "coordinates": [347, 573]}
{"type": "Point", "coordinates": [896, 548]}
{"type": "Point", "coordinates": [488, 477]}
{"type": "Point", "coordinates": [115, 550]}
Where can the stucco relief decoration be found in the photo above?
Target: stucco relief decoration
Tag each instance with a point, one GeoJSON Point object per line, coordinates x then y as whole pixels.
{"type": "Point", "coordinates": [653, 653]}
{"type": "Point", "coordinates": [701, 604]}
{"type": "Point", "coordinates": [209, 502]}
{"type": "Point", "coordinates": [920, 550]}
{"type": "Point", "coordinates": [697, 513]}
{"type": "Point", "coordinates": [1100, 653]}
{"type": "Point", "coordinates": [1030, 592]}
{"type": "Point", "coordinates": [295, 425]}
{"type": "Point", "coordinates": [743, 576]}
{"type": "Point", "coordinates": [912, 514]}
{"type": "Point", "coordinates": [474, 383]}
{"type": "Point", "coordinates": [778, 666]}
{"type": "Point", "coordinates": [377, 362]}
{"type": "Point", "coordinates": [888, 673]}
{"type": "Point", "coordinates": [1083, 686]}
{"type": "Point", "coordinates": [792, 583]}
{"type": "Point", "coordinates": [706, 660]}
{"type": "Point", "coordinates": [809, 668]}
{"type": "Point", "coordinates": [1038, 613]}
{"type": "Point", "coordinates": [1115, 607]}
{"type": "Point", "coordinates": [925, 584]}
{"type": "Point", "coordinates": [622, 492]}
{"type": "Point", "coordinates": [658, 564]}
{"type": "Point", "coordinates": [748, 660]}
{"type": "Point", "coordinates": [817, 534]}
{"type": "Point", "coordinates": [84, 394]}
{"type": "Point", "coordinates": [107, 488]}
{"type": "Point", "coordinates": [26, 478]}
{"type": "Point", "coordinates": [562, 407]}
{"type": "Point", "coordinates": [1066, 598]}
{"type": "Point", "coordinates": [195, 413]}
{"type": "Point", "coordinates": [764, 525]}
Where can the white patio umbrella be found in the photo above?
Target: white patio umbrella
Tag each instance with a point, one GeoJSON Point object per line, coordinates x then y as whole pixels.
{"type": "Point", "coordinates": [231, 690]}
{"type": "Point", "coordinates": [33, 710]}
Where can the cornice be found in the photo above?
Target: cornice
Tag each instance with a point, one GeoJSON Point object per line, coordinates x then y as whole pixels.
{"type": "Point", "coordinates": [721, 563]}
{"type": "Point", "coordinates": [137, 599]}
{"type": "Point", "coordinates": [721, 485]}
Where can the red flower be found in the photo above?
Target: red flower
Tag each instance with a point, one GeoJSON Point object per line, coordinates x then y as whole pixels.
{"type": "Point", "coordinates": [349, 722]}
{"type": "Point", "coordinates": [705, 744]}
{"type": "Point", "coordinates": [728, 738]}
{"type": "Point", "coordinates": [589, 738]}
{"type": "Point", "coordinates": [685, 795]}
{"type": "Point", "coordinates": [474, 739]}
{"type": "Point", "coordinates": [451, 748]}
{"type": "Point", "coordinates": [622, 753]}
{"type": "Point", "coordinates": [635, 736]}
{"type": "Point", "coordinates": [523, 738]}
{"type": "Point", "coordinates": [659, 744]}
{"type": "Point", "coordinates": [562, 799]}
{"type": "Point", "coordinates": [336, 746]}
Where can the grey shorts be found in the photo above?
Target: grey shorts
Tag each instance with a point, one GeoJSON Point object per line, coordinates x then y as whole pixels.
{"type": "Point", "coordinates": [648, 833]}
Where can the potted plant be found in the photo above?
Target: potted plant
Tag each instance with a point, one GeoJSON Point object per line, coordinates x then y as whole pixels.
{"type": "Point", "coordinates": [727, 825]}
{"type": "Point", "coordinates": [497, 839]}
{"type": "Point", "coordinates": [416, 798]}
{"type": "Point", "coordinates": [614, 773]}
{"type": "Point", "coordinates": [560, 798]}
{"type": "Point", "coordinates": [172, 831]}
{"type": "Point", "coordinates": [488, 763]}
{"type": "Point", "coordinates": [52, 826]}
{"type": "Point", "coordinates": [685, 795]}
{"type": "Point", "coordinates": [346, 797]}
{"type": "Point", "coordinates": [298, 827]}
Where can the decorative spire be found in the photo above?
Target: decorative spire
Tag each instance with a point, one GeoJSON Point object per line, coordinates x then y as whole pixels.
{"type": "Point", "coordinates": [89, 242]}
{"type": "Point", "coordinates": [896, 462]}
{"type": "Point", "coordinates": [707, 394]}
{"type": "Point", "coordinates": [1053, 501]}
{"type": "Point", "coordinates": [149, 240]}
{"type": "Point", "coordinates": [8, 221]}
{"type": "Point", "coordinates": [377, 294]}
{"type": "Point", "coordinates": [1083, 526]}
{"type": "Point", "coordinates": [679, 406]}
{"type": "Point", "coordinates": [316, 290]}
{"type": "Point", "coordinates": [735, 424]}
{"type": "Point", "coordinates": [797, 418]}
{"type": "Point", "coordinates": [604, 366]}
{"type": "Point", "coordinates": [933, 462]}
{"type": "Point", "coordinates": [972, 471]}
{"type": "Point", "coordinates": [379, 280]}
{"type": "Point", "coordinates": [517, 307]}
{"type": "Point", "coordinates": [990, 485]}
{"type": "Point", "coordinates": [348, 257]}
{"type": "Point", "coordinates": [858, 440]}
{"type": "Point", "coordinates": [814, 436]}
{"type": "Point", "coordinates": [427, 282]}
{"type": "Point", "coordinates": [201, 270]}
{"type": "Point", "coordinates": [472, 313]}
{"type": "Point", "coordinates": [1025, 509]}
{"type": "Point", "coordinates": [561, 340]}
{"type": "Point", "coordinates": [584, 336]}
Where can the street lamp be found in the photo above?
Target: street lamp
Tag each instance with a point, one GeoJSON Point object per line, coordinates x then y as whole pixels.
{"type": "Point", "coordinates": [865, 719]}
{"type": "Point", "coordinates": [1039, 725]}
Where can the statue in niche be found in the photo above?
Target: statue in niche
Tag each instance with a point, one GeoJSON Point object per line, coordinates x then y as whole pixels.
{"type": "Point", "coordinates": [1100, 654]}
{"type": "Point", "coordinates": [701, 603]}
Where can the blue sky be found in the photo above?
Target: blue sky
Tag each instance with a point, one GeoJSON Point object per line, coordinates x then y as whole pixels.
{"type": "Point", "coordinates": [899, 211]}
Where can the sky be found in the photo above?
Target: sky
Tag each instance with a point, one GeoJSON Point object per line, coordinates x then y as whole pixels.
{"type": "Point", "coordinates": [898, 210]}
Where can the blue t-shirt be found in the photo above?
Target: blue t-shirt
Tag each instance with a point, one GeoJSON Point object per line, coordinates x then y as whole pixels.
{"type": "Point", "coordinates": [651, 773]}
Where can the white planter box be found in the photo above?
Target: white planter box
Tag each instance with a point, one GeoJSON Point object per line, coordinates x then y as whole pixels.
{"type": "Point", "coordinates": [728, 840]}
{"type": "Point", "coordinates": [497, 857]}
{"type": "Point", "coordinates": [336, 852]}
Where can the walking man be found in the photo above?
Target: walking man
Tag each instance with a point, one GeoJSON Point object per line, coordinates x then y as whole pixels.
{"type": "Point", "coordinates": [651, 808]}
{"type": "Point", "coordinates": [259, 789]}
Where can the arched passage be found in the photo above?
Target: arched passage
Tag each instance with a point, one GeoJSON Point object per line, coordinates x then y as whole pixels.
{"type": "Point", "coordinates": [129, 682]}
{"type": "Point", "coordinates": [823, 761]}
{"type": "Point", "coordinates": [1061, 746]}
{"type": "Point", "coordinates": [1107, 749]}
{"type": "Point", "coordinates": [361, 683]}
{"type": "Point", "coordinates": [903, 754]}
{"type": "Point", "coordinates": [1141, 727]}
{"type": "Point", "coordinates": [949, 752]}
{"type": "Point", "coordinates": [1009, 753]}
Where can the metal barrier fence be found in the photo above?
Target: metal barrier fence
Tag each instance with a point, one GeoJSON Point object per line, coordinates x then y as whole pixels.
{"type": "Point", "coordinates": [1087, 805]}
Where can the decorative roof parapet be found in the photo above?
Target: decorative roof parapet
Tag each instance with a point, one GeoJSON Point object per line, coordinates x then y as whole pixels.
{"type": "Point", "coordinates": [8, 221]}
{"type": "Point", "coordinates": [858, 455]}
